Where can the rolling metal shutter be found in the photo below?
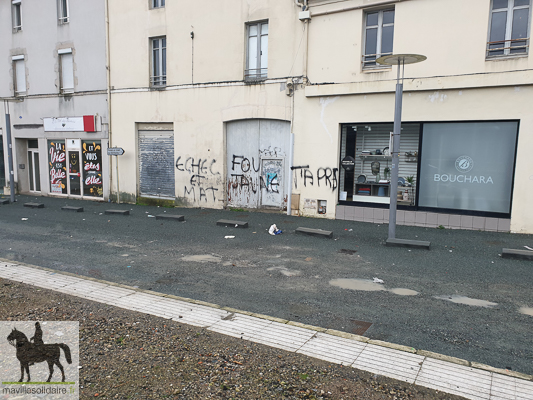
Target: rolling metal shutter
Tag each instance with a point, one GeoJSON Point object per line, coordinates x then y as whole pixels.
{"type": "Point", "coordinates": [156, 164]}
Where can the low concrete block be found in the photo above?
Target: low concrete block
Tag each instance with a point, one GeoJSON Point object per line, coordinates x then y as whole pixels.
{"type": "Point", "coordinates": [236, 224]}
{"type": "Point", "coordinates": [71, 208]}
{"type": "Point", "coordinates": [118, 212]}
{"type": "Point", "coordinates": [170, 217]}
{"type": "Point", "coordinates": [34, 205]}
{"type": "Point", "coordinates": [4, 201]}
{"type": "Point", "coordinates": [517, 254]}
{"type": "Point", "coordinates": [314, 232]}
{"type": "Point", "coordinates": [417, 244]}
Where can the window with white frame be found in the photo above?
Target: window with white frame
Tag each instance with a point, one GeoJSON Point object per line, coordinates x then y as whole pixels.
{"type": "Point", "coordinates": [19, 75]}
{"type": "Point", "coordinates": [158, 3]}
{"type": "Point", "coordinates": [257, 52]}
{"type": "Point", "coordinates": [66, 67]}
{"type": "Point", "coordinates": [62, 11]}
{"type": "Point", "coordinates": [379, 35]}
{"type": "Point", "coordinates": [509, 28]}
{"type": "Point", "coordinates": [16, 15]}
{"type": "Point", "coordinates": [159, 61]}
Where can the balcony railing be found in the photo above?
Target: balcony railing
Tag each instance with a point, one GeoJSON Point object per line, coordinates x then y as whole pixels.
{"type": "Point", "coordinates": [157, 81]}
{"type": "Point", "coordinates": [369, 61]}
{"type": "Point", "coordinates": [507, 47]}
{"type": "Point", "coordinates": [256, 74]}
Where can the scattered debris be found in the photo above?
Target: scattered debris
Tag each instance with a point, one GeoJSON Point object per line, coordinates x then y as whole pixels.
{"type": "Point", "coordinates": [229, 237]}
{"type": "Point", "coordinates": [274, 230]}
{"type": "Point", "coordinates": [151, 216]}
{"type": "Point", "coordinates": [377, 280]}
{"type": "Point", "coordinates": [347, 251]}
{"type": "Point", "coordinates": [24, 219]}
{"type": "Point", "coordinates": [527, 247]}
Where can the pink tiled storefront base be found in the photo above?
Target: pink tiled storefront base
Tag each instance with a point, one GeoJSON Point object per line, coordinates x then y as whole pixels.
{"type": "Point", "coordinates": [423, 219]}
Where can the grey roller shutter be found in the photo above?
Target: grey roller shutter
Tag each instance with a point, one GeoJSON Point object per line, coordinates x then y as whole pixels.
{"type": "Point", "coordinates": [156, 164]}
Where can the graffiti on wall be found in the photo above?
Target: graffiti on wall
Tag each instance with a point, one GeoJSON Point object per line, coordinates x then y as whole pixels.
{"type": "Point", "coordinates": [201, 173]}
{"type": "Point", "coordinates": [327, 177]}
{"type": "Point", "coordinates": [243, 170]}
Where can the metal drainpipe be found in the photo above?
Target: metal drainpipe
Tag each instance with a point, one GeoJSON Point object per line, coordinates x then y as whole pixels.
{"type": "Point", "coordinates": [108, 67]}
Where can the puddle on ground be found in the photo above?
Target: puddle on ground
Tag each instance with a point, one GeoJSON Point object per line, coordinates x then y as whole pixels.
{"type": "Point", "coordinates": [202, 258]}
{"type": "Point", "coordinates": [285, 271]}
{"type": "Point", "coordinates": [403, 292]}
{"type": "Point", "coordinates": [467, 300]}
{"type": "Point", "coordinates": [369, 286]}
{"type": "Point", "coordinates": [526, 310]}
{"type": "Point", "coordinates": [357, 284]}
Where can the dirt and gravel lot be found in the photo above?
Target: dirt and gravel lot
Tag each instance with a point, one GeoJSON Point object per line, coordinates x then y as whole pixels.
{"type": "Point", "coordinates": [130, 355]}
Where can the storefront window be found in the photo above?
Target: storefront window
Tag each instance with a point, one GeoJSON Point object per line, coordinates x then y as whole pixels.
{"type": "Point", "coordinates": [57, 165]}
{"type": "Point", "coordinates": [468, 165]}
{"type": "Point", "coordinates": [92, 168]}
{"type": "Point", "coordinates": [366, 163]}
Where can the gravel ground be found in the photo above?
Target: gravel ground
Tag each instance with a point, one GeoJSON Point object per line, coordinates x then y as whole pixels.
{"type": "Point", "coordinates": [126, 354]}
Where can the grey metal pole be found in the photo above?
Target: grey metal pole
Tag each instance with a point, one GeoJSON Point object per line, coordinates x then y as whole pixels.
{"type": "Point", "coordinates": [10, 159]}
{"type": "Point", "coordinates": [395, 155]}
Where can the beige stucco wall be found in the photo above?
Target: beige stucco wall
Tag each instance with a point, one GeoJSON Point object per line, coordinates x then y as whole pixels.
{"type": "Point", "coordinates": [456, 83]}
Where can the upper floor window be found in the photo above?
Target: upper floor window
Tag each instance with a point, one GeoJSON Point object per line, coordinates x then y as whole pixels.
{"type": "Point", "coordinates": [159, 61]}
{"type": "Point", "coordinates": [62, 11]}
{"type": "Point", "coordinates": [158, 3]}
{"type": "Point", "coordinates": [16, 15]}
{"type": "Point", "coordinates": [66, 67]}
{"type": "Point", "coordinates": [379, 34]}
{"type": "Point", "coordinates": [19, 75]}
{"type": "Point", "coordinates": [257, 53]}
{"type": "Point", "coordinates": [509, 28]}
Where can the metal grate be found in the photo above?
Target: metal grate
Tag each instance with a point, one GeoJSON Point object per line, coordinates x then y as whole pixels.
{"type": "Point", "coordinates": [360, 327]}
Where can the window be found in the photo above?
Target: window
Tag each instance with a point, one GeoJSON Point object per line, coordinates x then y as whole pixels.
{"type": "Point", "coordinates": [66, 66]}
{"type": "Point", "coordinates": [379, 34]}
{"type": "Point", "coordinates": [19, 75]}
{"type": "Point", "coordinates": [15, 13]}
{"type": "Point", "coordinates": [62, 11]}
{"type": "Point", "coordinates": [158, 3]}
{"type": "Point", "coordinates": [159, 62]}
{"type": "Point", "coordinates": [257, 59]}
{"type": "Point", "coordinates": [509, 28]}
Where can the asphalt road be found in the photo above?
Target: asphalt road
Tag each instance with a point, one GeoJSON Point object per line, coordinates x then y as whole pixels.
{"type": "Point", "coordinates": [307, 279]}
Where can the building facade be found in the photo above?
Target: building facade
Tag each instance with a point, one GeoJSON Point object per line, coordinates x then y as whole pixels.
{"type": "Point", "coordinates": [257, 104]}
{"type": "Point", "coordinates": [54, 84]}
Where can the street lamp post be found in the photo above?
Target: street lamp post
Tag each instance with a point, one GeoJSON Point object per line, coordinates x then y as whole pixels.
{"type": "Point", "coordinates": [400, 60]}
{"type": "Point", "coordinates": [11, 171]}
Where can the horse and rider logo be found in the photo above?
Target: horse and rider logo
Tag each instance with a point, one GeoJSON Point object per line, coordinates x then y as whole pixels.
{"type": "Point", "coordinates": [33, 351]}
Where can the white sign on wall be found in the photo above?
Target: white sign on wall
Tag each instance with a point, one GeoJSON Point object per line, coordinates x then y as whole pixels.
{"type": "Point", "coordinates": [64, 124]}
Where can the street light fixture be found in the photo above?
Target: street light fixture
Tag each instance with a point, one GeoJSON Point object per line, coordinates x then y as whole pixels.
{"type": "Point", "coordinates": [10, 147]}
{"type": "Point", "coordinates": [400, 60]}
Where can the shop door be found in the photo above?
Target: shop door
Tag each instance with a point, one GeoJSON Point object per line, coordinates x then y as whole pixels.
{"type": "Point", "coordinates": [156, 164]}
{"type": "Point", "coordinates": [74, 173]}
{"type": "Point", "coordinates": [33, 167]}
{"type": "Point", "coordinates": [257, 162]}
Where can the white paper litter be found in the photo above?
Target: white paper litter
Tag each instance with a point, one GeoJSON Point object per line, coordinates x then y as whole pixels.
{"type": "Point", "coordinates": [377, 280]}
{"type": "Point", "coordinates": [229, 237]}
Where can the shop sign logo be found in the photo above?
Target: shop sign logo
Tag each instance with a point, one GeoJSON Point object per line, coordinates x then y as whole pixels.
{"type": "Point", "coordinates": [464, 164]}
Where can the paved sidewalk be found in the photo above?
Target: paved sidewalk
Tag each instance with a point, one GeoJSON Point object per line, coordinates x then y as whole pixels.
{"type": "Point", "coordinates": [460, 377]}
